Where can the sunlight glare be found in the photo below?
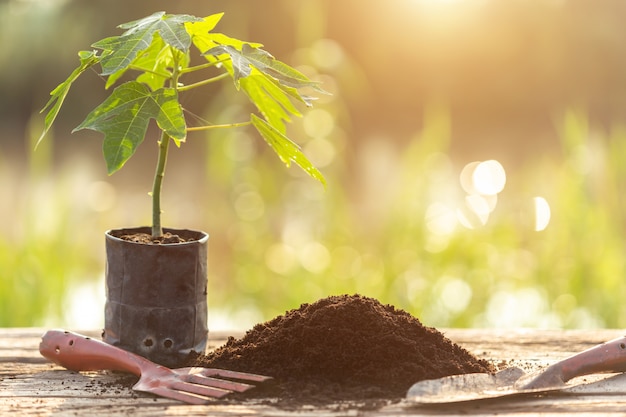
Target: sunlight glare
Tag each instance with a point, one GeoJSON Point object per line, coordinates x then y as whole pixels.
{"type": "Point", "coordinates": [524, 307]}
{"type": "Point", "coordinates": [438, 5]}
{"type": "Point", "coordinates": [86, 307]}
{"type": "Point", "coordinates": [242, 317]}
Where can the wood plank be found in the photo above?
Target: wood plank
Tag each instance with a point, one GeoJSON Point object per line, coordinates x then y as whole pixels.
{"type": "Point", "coordinates": [29, 385]}
{"type": "Point", "coordinates": [61, 406]}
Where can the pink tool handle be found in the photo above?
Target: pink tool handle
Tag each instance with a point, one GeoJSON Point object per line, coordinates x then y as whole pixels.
{"type": "Point", "coordinates": [81, 353]}
{"type": "Point", "coordinates": [606, 357]}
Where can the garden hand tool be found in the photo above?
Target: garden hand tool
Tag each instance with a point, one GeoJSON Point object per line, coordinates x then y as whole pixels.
{"type": "Point", "coordinates": [608, 357]}
{"type": "Point", "coordinates": [191, 385]}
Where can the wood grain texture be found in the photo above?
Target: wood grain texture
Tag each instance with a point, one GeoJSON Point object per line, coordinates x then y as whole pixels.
{"type": "Point", "coordinates": [30, 385]}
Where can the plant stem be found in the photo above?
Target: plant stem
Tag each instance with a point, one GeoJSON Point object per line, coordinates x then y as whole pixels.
{"type": "Point", "coordinates": [164, 143]}
{"type": "Point", "coordinates": [203, 82]}
{"type": "Point", "coordinates": [201, 66]}
{"type": "Point", "coordinates": [209, 127]}
{"type": "Point", "coordinates": [160, 74]}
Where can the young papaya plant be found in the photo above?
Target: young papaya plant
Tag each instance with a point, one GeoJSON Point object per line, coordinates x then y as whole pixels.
{"type": "Point", "coordinates": [158, 48]}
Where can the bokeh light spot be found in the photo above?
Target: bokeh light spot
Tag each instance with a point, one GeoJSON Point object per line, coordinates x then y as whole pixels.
{"type": "Point", "coordinates": [440, 219]}
{"type": "Point", "coordinates": [320, 151]}
{"type": "Point", "coordinates": [489, 177]}
{"type": "Point", "coordinates": [281, 258]}
{"type": "Point", "coordinates": [456, 295]}
{"type": "Point", "coordinates": [542, 213]}
{"type": "Point", "coordinates": [318, 123]}
{"type": "Point", "coordinates": [314, 257]}
{"type": "Point", "coordinates": [466, 177]}
{"type": "Point", "coordinates": [479, 205]}
{"type": "Point", "coordinates": [327, 54]}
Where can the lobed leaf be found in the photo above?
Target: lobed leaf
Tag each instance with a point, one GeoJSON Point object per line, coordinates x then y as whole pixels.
{"type": "Point", "coordinates": [87, 60]}
{"type": "Point", "coordinates": [248, 57]}
{"type": "Point", "coordinates": [268, 83]}
{"type": "Point", "coordinates": [138, 37]}
{"type": "Point", "coordinates": [273, 104]}
{"type": "Point", "coordinates": [201, 28]}
{"type": "Point", "coordinates": [144, 21]}
{"type": "Point", "coordinates": [124, 116]}
{"type": "Point", "coordinates": [204, 39]}
{"type": "Point", "coordinates": [156, 63]}
{"type": "Point", "coordinates": [286, 150]}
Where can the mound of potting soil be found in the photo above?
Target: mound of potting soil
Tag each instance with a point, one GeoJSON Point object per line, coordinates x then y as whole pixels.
{"type": "Point", "coordinates": [342, 348]}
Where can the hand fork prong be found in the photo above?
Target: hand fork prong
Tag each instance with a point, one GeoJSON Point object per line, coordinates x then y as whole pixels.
{"type": "Point", "coordinates": [198, 389]}
{"type": "Point", "coordinates": [178, 395]}
{"type": "Point", "coordinates": [225, 373]}
{"type": "Point", "coordinates": [217, 383]}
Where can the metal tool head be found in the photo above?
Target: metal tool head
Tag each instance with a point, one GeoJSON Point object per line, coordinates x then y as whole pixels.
{"type": "Point", "coordinates": [608, 357]}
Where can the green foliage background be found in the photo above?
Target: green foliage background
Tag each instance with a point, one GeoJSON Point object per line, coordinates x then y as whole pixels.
{"type": "Point", "coordinates": [391, 141]}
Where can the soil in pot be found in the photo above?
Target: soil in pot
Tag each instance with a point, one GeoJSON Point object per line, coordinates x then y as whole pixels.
{"type": "Point", "coordinates": [146, 238]}
{"type": "Point", "coordinates": [342, 348]}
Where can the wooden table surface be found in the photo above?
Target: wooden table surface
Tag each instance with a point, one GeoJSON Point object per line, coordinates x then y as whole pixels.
{"type": "Point", "coordinates": [30, 385]}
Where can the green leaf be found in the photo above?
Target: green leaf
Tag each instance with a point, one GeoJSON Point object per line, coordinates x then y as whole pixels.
{"type": "Point", "coordinates": [124, 116]}
{"type": "Point", "coordinates": [87, 60]}
{"type": "Point", "coordinates": [156, 63]}
{"type": "Point", "coordinates": [286, 150]}
{"type": "Point", "coordinates": [138, 37]}
{"type": "Point", "coordinates": [202, 28]}
{"type": "Point", "coordinates": [204, 39]}
{"type": "Point", "coordinates": [271, 101]}
{"type": "Point", "coordinates": [267, 82]}
{"type": "Point", "coordinates": [269, 97]}
{"type": "Point", "coordinates": [248, 57]}
{"type": "Point", "coordinates": [112, 79]}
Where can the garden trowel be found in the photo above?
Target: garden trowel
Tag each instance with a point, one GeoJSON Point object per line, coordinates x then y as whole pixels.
{"type": "Point", "coordinates": [608, 357]}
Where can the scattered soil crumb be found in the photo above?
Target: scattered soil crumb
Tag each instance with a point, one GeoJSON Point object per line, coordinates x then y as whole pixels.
{"type": "Point", "coordinates": [341, 349]}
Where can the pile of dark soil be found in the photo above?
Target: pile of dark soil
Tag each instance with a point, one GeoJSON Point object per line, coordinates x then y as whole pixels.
{"type": "Point", "coordinates": [342, 348]}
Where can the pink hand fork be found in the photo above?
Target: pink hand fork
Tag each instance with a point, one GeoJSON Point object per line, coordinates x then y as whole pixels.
{"type": "Point", "coordinates": [191, 385]}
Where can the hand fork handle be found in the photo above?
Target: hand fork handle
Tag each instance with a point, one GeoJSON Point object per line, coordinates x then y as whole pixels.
{"type": "Point", "coordinates": [81, 353]}
{"type": "Point", "coordinates": [606, 357]}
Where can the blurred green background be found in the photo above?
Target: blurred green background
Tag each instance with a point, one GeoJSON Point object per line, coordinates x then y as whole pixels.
{"type": "Point", "coordinates": [423, 91]}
